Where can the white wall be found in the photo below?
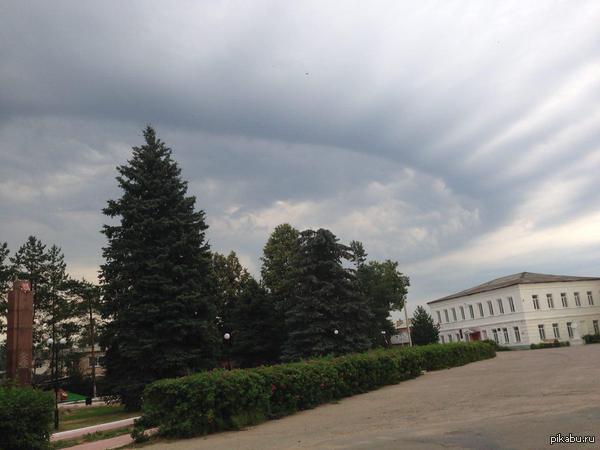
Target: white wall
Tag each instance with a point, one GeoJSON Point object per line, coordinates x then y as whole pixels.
{"type": "Point", "coordinates": [525, 317]}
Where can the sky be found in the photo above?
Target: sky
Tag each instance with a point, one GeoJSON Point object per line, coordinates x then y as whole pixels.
{"type": "Point", "coordinates": [458, 138]}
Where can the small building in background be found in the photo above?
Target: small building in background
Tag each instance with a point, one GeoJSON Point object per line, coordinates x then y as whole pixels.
{"type": "Point", "coordinates": [401, 335]}
{"type": "Point", "coordinates": [521, 309]}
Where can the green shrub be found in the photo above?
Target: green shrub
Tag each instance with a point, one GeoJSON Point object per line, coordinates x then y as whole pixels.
{"type": "Point", "coordinates": [592, 338]}
{"type": "Point", "coordinates": [498, 347]}
{"type": "Point", "coordinates": [25, 418]}
{"type": "Point", "coordinates": [553, 344]}
{"type": "Point", "coordinates": [223, 400]}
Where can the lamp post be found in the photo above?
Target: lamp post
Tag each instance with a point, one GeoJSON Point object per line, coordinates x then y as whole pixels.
{"type": "Point", "coordinates": [383, 333]}
{"type": "Point", "coordinates": [227, 338]}
{"type": "Point", "coordinates": [53, 371]}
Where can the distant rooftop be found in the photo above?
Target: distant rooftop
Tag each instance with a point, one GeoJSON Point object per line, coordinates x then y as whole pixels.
{"type": "Point", "coordinates": [512, 280]}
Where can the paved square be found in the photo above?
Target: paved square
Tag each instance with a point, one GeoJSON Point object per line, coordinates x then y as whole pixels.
{"type": "Point", "coordinates": [515, 401]}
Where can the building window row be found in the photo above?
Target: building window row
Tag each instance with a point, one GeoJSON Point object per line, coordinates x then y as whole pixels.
{"type": "Point", "coordinates": [564, 300]}
{"type": "Point", "coordinates": [452, 313]}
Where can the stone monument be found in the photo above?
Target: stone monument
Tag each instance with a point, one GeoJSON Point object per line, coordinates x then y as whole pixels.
{"type": "Point", "coordinates": [19, 340]}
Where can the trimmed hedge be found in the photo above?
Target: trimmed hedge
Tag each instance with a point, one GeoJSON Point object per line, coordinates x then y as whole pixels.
{"type": "Point", "coordinates": [222, 400]}
{"type": "Point", "coordinates": [553, 344]}
{"type": "Point", "coordinates": [592, 338]}
{"type": "Point", "coordinates": [25, 418]}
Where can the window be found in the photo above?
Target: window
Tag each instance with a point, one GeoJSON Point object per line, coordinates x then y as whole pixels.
{"type": "Point", "coordinates": [495, 333]}
{"type": "Point", "coordinates": [590, 298]}
{"type": "Point", "coordinates": [556, 331]}
{"type": "Point", "coordinates": [480, 309]}
{"type": "Point", "coordinates": [536, 302]}
{"type": "Point", "coordinates": [570, 330]}
{"type": "Point", "coordinates": [446, 315]}
{"type": "Point", "coordinates": [439, 316]}
{"type": "Point", "coordinates": [563, 299]}
{"type": "Point", "coordinates": [471, 312]}
{"type": "Point", "coordinates": [577, 299]}
{"type": "Point", "coordinates": [517, 334]}
{"type": "Point", "coordinates": [596, 329]}
{"type": "Point", "coordinates": [511, 304]}
{"type": "Point", "coordinates": [484, 334]}
{"type": "Point", "coordinates": [500, 306]}
{"type": "Point", "coordinates": [443, 339]}
{"type": "Point", "coordinates": [505, 331]}
{"type": "Point", "coordinates": [454, 314]}
{"type": "Point", "coordinates": [490, 307]}
{"type": "Point", "coordinates": [550, 301]}
{"type": "Point", "coordinates": [449, 338]}
{"type": "Point", "coordinates": [542, 332]}
{"type": "Point", "coordinates": [462, 312]}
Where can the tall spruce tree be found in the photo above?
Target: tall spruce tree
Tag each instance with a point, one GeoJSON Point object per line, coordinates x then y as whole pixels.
{"type": "Point", "coordinates": [423, 330]}
{"type": "Point", "coordinates": [326, 298]}
{"type": "Point", "coordinates": [278, 273]}
{"type": "Point", "coordinates": [157, 281]}
{"type": "Point", "coordinates": [254, 326]}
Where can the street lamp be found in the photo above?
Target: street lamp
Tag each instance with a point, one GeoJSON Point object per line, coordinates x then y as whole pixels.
{"type": "Point", "coordinates": [336, 332]}
{"type": "Point", "coordinates": [227, 338]}
{"type": "Point", "coordinates": [53, 374]}
{"type": "Point", "coordinates": [383, 334]}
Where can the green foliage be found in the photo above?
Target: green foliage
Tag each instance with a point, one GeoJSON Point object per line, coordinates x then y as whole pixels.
{"type": "Point", "coordinates": [25, 418]}
{"type": "Point", "coordinates": [278, 273]}
{"type": "Point", "coordinates": [255, 325]}
{"type": "Point", "coordinates": [55, 308]}
{"type": "Point", "coordinates": [423, 330]}
{"type": "Point", "coordinates": [222, 400]}
{"type": "Point", "coordinates": [5, 278]}
{"type": "Point", "coordinates": [229, 276]}
{"type": "Point", "coordinates": [157, 279]}
{"type": "Point", "coordinates": [592, 338]}
{"type": "Point", "coordinates": [553, 344]}
{"type": "Point", "coordinates": [384, 287]}
{"type": "Point", "coordinates": [326, 298]}
{"type": "Point", "coordinates": [498, 347]}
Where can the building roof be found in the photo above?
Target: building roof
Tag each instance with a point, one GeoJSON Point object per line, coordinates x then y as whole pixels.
{"type": "Point", "coordinates": [512, 280]}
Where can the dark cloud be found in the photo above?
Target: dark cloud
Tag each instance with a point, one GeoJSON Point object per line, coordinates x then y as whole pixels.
{"type": "Point", "coordinates": [431, 131]}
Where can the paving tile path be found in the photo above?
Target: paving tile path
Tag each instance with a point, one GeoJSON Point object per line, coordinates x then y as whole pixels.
{"type": "Point", "coordinates": [514, 401]}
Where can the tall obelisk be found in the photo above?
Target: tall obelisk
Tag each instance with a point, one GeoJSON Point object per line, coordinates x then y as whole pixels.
{"type": "Point", "coordinates": [19, 341]}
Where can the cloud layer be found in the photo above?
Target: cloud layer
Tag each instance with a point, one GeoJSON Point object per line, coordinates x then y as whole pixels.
{"type": "Point", "coordinates": [459, 138]}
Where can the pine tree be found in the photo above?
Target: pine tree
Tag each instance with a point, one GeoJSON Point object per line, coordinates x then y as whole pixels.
{"type": "Point", "coordinates": [278, 273]}
{"type": "Point", "coordinates": [29, 263]}
{"type": "Point", "coordinates": [254, 326]}
{"type": "Point", "coordinates": [423, 330]}
{"type": "Point", "coordinates": [326, 299]}
{"type": "Point", "coordinates": [157, 281]}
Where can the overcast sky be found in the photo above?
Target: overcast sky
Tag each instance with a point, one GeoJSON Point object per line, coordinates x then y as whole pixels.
{"type": "Point", "coordinates": [458, 138]}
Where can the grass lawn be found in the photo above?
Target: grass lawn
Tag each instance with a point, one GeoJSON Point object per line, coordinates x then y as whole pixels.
{"type": "Point", "coordinates": [91, 437]}
{"type": "Point", "coordinates": [72, 418]}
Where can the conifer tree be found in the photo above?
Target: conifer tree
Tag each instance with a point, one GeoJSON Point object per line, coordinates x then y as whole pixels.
{"type": "Point", "coordinates": [278, 273]}
{"type": "Point", "coordinates": [254, 326]}
{"type": "Point", "coordinates": [326, 298]}
{"type": "Point", "coordinates": [423, 330]}
{"type": "Point", "coordinates": [158, 289]}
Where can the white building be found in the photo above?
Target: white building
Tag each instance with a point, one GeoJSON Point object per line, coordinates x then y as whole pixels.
{"type": "Point", "coordinates": [521, 309]}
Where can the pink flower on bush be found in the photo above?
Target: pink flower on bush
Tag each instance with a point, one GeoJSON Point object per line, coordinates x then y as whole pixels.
{"type": "Point", "coordinates": [273, 388]}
